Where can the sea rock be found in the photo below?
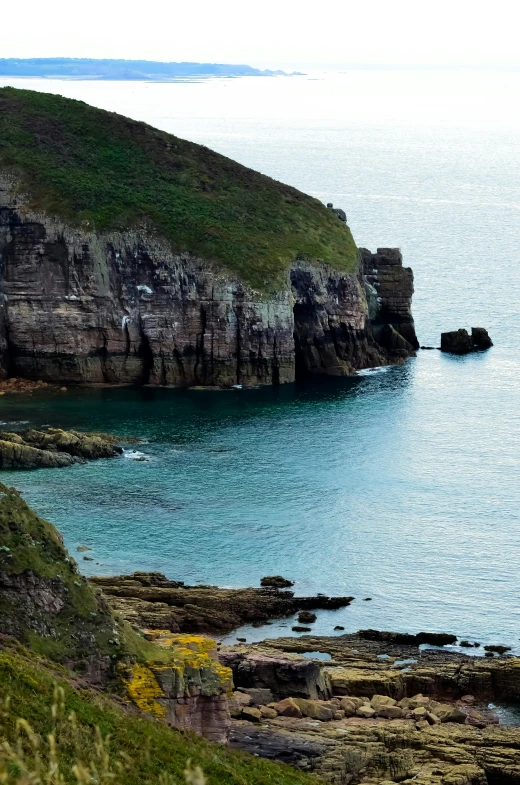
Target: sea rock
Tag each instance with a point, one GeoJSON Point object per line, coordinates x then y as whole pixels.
{"type": "Point", "coordinates": [456, 342]}
{"type": "Point", "coordinates": [460, 342]}
{"type": "Point", "coordinates": [306, 617]}
{"type": "Point", "coordinates": [287, 708]}
{"type": "Point", "coordinates": [251, 714]}
{"type": "Point", "coordinates": [481, 339]}
{"type": "Point", "coordinates": [276, 582]}
{"type": "Point", "coordinates": [366, 711]}
{"type": "Point", "coordinates": [432, 638]}
{"type": "Point", "coordinates": [285, 675]}
{"type": "Point", "coordinates": [237, 702]}
{"type": "Point", "coordinates": [317, 710]}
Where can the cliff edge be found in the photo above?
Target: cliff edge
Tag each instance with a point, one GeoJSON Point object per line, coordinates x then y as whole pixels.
{"type": "Point", "coordinates": [130, 256]}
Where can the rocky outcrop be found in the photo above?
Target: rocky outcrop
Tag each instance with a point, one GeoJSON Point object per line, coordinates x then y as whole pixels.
{"type": "Point", "coordinates": [461, 342]}
{"type": "Point", "coordinates": [76, 306]}
{"type": "Point", "coordinates": [150, 600]}
{"type": "Point", "coordinates": [44, 601]}
{"type": "Point", "coordinates": [187, 687]}
{"type": "Point", "coordinates": [53, 448]}
{"type": "Point", "coordinates": [359, 718]}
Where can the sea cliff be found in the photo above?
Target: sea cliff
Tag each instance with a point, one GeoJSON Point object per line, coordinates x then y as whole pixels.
{"type": "Point", "coordinates": [146, 259]}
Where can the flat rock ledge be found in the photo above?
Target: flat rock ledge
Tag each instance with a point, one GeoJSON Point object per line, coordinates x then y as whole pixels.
{"type": "Point", "coordinates": [365, 716]}
{"type": "Point", "coordinates": [53, 448]}
{"type": "Point", "coordinates": [148, 600]}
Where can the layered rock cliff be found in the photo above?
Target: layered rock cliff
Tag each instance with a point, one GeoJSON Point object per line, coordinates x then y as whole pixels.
{"type": "Point", "coordinates": [130, 256]}
{"type": "Point", "coordinates": [123, 308]}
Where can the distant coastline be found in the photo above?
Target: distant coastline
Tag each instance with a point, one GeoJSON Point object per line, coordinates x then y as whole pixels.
{"type": "Point", "coordinates": [137, 70]}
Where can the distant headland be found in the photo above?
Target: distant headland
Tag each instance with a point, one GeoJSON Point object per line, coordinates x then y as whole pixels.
{"type": "Point", "coordinates": [85, 68]}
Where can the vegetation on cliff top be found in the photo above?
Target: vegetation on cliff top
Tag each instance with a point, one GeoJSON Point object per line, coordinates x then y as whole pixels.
{"type": "Point", "coordinates": [139, 750]}
{"type": "Point", "coordinates": [98, 169]}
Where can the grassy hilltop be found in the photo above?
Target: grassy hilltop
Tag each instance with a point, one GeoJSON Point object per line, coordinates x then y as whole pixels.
{"type": "Point", "coordinates": [104, 171]}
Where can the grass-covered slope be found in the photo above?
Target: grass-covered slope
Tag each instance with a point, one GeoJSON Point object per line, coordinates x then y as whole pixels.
{"type": "Point", "coordinates": [139, 750]}
{"type": "Point", "coordinates": [99, 169]}
{"type": "Point", "coordinates": [44, 601]}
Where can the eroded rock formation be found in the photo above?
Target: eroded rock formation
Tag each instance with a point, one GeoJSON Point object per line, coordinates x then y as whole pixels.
{"type": "Point", "coordinates": [150, 600]}
{"type": "Point", "coordinates": [81, 307]}
{"type": "Point", "coordinates": [53, 448]}
{"type": "Point", "coordinates": [359, 718]}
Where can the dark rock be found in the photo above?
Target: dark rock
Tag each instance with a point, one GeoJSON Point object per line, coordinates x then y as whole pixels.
{"type": "Point", "coordinates": [457, 342]}
{"type": "Point", "coordinates": [480, 337]}
{"type": "Point", "coordinates": [306, 617]}
{"type": "Point", "coordinates": [298, 628]}
{"type": "Point", "coordinates": [497, 649]}
{"type": "Point", "coordinates": [431, 638]}
{"type": "Point", "coordinates": [460, 342]}
{"type": "Point", "coordinates": [339, 627]}
{"type": "Point", "coordinates": [367, 599]}
{"type": "Point", "coordinates": [276, 582]}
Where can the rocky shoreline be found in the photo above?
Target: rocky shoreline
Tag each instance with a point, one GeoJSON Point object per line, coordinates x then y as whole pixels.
{"type": "Point", "coordinates": [54, 448]}
{"type": "Point", "coordinates": [148, 600]}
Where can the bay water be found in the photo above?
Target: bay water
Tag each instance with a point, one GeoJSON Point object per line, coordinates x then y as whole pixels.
{"type": "Point", "coordinates": [401, 484]}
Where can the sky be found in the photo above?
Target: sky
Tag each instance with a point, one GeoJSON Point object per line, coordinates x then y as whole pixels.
{"type": "Point", "coordinates": [269, 33]}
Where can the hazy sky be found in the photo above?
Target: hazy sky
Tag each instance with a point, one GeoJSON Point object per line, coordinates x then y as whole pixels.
{"type": "Point", "coordinates": [268, 33]}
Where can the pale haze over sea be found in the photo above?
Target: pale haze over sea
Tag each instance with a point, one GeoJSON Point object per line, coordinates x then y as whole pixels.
{"type": "Point", "coordinates": [400, 485]}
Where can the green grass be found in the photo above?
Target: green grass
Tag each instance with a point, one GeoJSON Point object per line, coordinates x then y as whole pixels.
{"type": "Point", "coordinates": [103, 171]}
{"type": "Point", "coordinates": [29, 544]}
{"type": "Point", "coordinates": [139, 750]}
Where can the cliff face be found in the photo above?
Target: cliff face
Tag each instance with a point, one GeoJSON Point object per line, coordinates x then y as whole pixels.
{"type": "Point", "coordinates": [90, 307]}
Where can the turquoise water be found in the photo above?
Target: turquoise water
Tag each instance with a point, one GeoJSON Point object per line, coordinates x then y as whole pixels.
{"type": "Point", "coordinates": [401, 484]}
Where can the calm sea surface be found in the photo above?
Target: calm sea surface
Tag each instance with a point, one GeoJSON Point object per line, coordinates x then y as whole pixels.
{"type": "Point", "coordinates": [401, 485]}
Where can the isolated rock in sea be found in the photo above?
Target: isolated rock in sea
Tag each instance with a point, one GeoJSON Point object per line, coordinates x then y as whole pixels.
{"type": "Point", "coordinates": [53, 448]}
{"type": "Point", "coordinates": [276, 582]}
{"type": "Point", "coordinates": [306, 617]}
{"type": "Point", "coordinates": [481, 339]}
{"type": "Point", "coordinates": [226, 278]}
{"type": "Point", "coordinates": [460, 342]}
{"type": "Point", "coordinates": [457, 342]}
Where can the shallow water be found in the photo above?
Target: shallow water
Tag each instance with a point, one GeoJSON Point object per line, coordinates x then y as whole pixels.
{"type": "Point", "coordinates": [401, 484]}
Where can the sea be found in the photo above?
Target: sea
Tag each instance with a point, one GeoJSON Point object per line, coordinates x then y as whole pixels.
{"type": "Point", "coordinates": [402, 484]}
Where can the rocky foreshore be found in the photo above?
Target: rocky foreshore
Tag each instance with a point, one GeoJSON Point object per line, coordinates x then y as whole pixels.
{"type": "Point", "coordinates": [148, 600]}
{"type": "Point", "coordinates": [376, 712]}
{"type": "Point", "coordinates": [53, 448]}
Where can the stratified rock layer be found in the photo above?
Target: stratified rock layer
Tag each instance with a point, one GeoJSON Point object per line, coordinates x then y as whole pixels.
{"type": "Point", "coordinates": [76, 306]}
